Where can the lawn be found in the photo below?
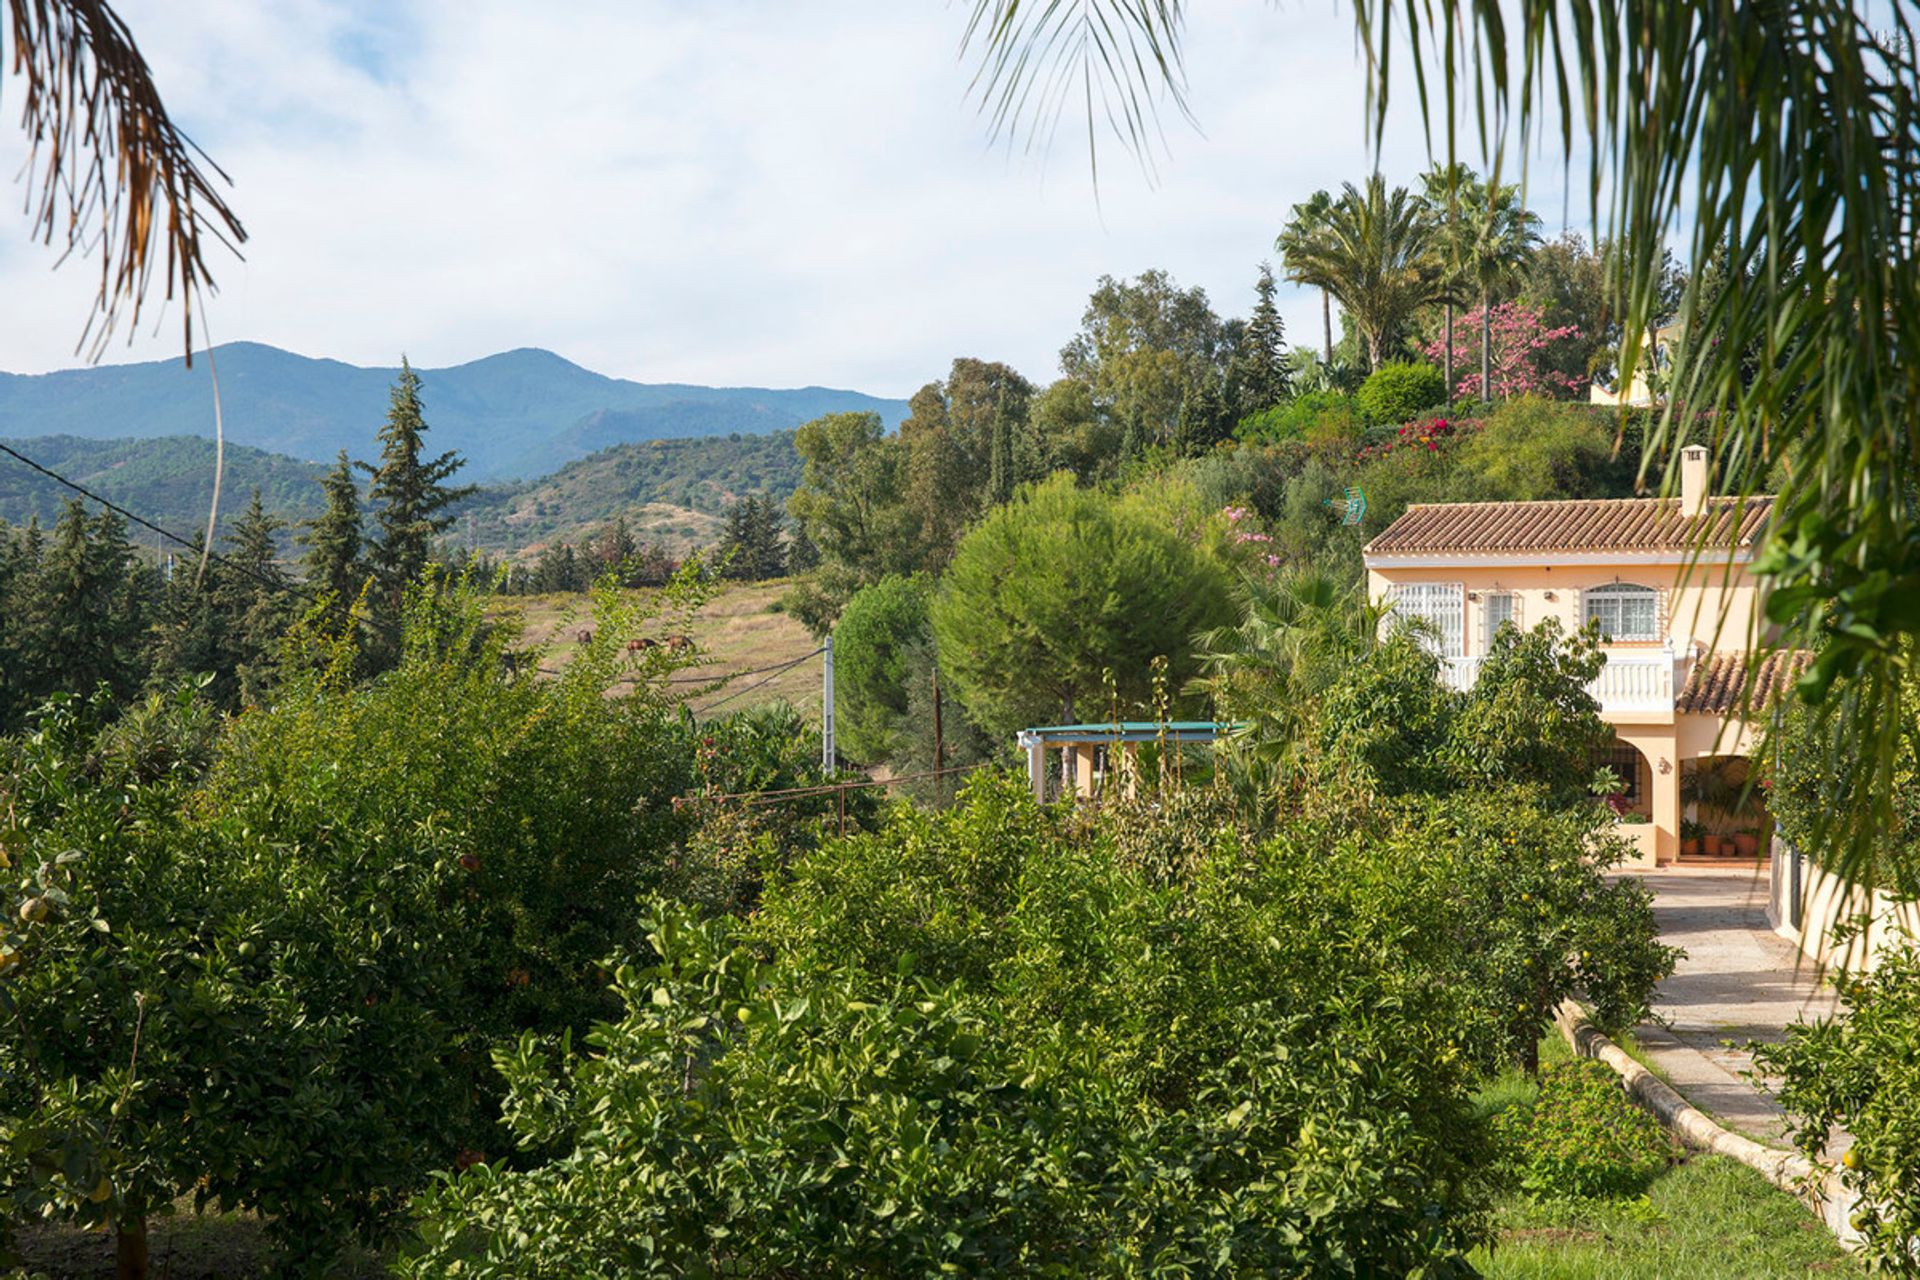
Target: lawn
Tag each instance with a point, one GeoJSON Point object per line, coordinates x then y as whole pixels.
{"type": "Point", "coordinates": [1707, 1217]}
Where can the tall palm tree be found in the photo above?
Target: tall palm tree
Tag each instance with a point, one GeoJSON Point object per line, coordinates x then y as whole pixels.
{"type": "Point", "coordinates": [1498, 237]}
{"type": "Point", "coordinates": [1297, 242]}
{"type": "Point", "coordinates": [1442, 187]}
{"type": "Point", "coordinates": [110, 174]}
{"type": "Point", "coordinates": [1374, 250]}
{"type": "Point", "coordinates": [1790, 133]}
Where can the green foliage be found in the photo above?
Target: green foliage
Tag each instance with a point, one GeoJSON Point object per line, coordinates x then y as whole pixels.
{"type": "Point", "coordinates": [1582, 1137]}
{"type": "Point", "coordinates": [1400, 391]}
{"type": "Point", "coordinates": [306, 955]}
{"type": "Point", "coordinates": [1819, 768]}
{"type": "Point", "coordinates": [1318, 417]}
{"type": "Point", "coordinates": [983, 1040]}
{"type": "Point", "coordinates": [334, 540]}
{"type": "Point", "coordinates": [1528, 448]}
{"type": "Point", "coordinates": [410, 498]}
{"type": "Point", "coordinates": [750, 546]}
{"type": "Point", "coordinates": [1530, 716]}
{"type": "Point", "coordinates": [168, 479]}
{"type": "Point", "coordinates": [1055, 590]}
{"type": "Point", "coordinates": [1860, 1070]}
{"type": "Point", "coordinates": [851, 506]}
{"type": "Point", "coordinates": [872, 650]}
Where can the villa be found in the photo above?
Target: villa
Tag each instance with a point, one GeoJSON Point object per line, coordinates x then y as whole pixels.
{"type": "Point", "coordinates": [1669, 583]}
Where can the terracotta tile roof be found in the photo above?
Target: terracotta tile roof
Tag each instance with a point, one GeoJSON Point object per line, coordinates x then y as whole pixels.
{"type": "Point", "coordinates": [1718, 683]}
{"type": "Point", "coordinates": [1582, 525]}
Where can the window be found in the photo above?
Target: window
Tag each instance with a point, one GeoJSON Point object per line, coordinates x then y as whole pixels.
{"type": "Point", "coordinates": [1624, 611]}
{"type": "Point", "coordinates": [1625, 763]}
{"type": "Point", "coordinates": [1441, 607]}
{"type": "Point", "coordinates": [1498, 612]}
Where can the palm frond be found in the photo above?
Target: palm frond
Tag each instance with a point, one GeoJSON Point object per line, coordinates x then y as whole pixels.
{"type": "Point", "coordinates": [110, 175]}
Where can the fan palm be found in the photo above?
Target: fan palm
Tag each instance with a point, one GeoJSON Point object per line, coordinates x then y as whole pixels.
{"type": "Point", "coordinates": [110, 174]}
{"type": "Point", "coordinates": [1787, 131]}
{"type": "Point", "coordinates": [1374, 250]}
{"type": "Point", "coordinates": [1266, 673]}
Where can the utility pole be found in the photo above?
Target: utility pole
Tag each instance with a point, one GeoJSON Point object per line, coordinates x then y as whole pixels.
{"type": "Point", "coordinates": [826, 710]}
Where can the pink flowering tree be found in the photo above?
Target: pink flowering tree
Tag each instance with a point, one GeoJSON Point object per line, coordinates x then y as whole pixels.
{"type": "Point", "coordinates": [1518, 339]}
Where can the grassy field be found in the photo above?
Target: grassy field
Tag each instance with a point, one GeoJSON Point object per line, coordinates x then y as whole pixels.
{"type": "Point", "coordinates": [742, 629]}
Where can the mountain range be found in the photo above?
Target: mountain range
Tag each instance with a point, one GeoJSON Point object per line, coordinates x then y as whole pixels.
{"type": "Point", "coordinates": [514, 416]}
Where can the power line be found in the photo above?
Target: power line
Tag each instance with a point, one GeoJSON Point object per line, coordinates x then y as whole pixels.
{"type": "Point", "coordinates": [777, 672]}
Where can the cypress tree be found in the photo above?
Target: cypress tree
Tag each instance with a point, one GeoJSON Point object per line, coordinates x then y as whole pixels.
{"type": "Point", "coordinates": [1257, 376]}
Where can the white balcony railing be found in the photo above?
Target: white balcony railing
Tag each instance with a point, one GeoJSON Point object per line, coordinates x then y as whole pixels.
{"type": "Point", "coordinates": [1625, 684]}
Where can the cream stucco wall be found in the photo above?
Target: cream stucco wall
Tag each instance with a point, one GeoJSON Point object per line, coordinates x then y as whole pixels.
{"type": "Point", "coordinates": [1712, 605]}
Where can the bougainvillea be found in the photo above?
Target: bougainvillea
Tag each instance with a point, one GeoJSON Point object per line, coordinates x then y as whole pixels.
{"type": "Point", "coordinates": [1516, 368]}
{"type": "Point", "coordinates": [1423, 437]}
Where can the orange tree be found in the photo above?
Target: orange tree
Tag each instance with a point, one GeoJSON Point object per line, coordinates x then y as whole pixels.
{"type": "Point", "coordinates": [275, 984]}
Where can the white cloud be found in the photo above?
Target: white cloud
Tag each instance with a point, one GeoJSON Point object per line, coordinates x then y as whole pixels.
{"type": "Point", "coordinates": [738, 191]}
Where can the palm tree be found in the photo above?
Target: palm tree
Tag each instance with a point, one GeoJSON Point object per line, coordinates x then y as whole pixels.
{"type": "Point", "coordinates": [109, 173]}
{"type": "Point", "coordinates": [1497, 240]}
{"type": "Point", "coordinates": [1266, 673]}
{"type": "Point", "coordinates": [1374, 250]}
{"type": "Point", "coordinates": [1790, 133]}
{"type": "Point", "coordinates": [1443, 185]}
{"type": "Point", "coordinates": [1298, 241]}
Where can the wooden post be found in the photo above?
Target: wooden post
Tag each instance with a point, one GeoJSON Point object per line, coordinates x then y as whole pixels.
{"type": "Point", "coordinates": [1037, 768]}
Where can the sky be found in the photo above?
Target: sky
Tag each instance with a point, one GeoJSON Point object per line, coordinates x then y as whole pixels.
{"type": "Point", "coordinates": [734, 192]}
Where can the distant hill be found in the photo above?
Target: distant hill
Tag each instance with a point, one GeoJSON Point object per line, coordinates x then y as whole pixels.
{"type": "Point", "coordinates": [168, 480]}
{"type": "Point", "coordinates": [669, 490]}
{"type": "Point", "coordinates": [514, 415]}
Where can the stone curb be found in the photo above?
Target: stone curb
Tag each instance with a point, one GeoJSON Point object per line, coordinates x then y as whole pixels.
{"type": "Point", "coordinates": [1818, 1186]}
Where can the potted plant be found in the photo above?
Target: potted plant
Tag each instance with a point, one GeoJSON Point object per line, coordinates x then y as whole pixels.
{"type": "Point", "coordinates": [1710, 844]}
{"type": "Point", "coordinates": [1746, 843]}
{"type": "Point", "coordinates": [1691, 833]}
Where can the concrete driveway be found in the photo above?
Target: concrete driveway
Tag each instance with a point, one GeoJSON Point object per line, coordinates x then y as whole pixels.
{"type": "Point", "coordinates": [1739, 982]}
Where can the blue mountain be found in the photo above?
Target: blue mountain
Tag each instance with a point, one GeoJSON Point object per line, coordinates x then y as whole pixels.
{"type": "Point", "coordinates": [515, 415]}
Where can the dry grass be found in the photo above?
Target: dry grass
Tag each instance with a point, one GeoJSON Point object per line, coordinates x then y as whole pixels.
{"type": "Point", "coordinates": [741, 629]}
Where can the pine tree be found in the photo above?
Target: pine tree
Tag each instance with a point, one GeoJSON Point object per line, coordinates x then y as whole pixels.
{"type": "Point", "coordinates": [1257, 376]}
{"type": "Point", "coordinates": [86, 609]}
{"type": "Point", "coordinates": [253, 600]}
{"type": "Point", "coordinates": [617, 550]}
{"type": "Point", "coordinates": [411, 496]}
{"type": "Point", "coordinates": [802, 555]}
{"type": "Point", "coordinates": [333, 539]}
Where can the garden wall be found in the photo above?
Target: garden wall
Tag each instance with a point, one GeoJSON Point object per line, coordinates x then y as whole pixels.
{"type": "Point", "coordinates": [1823, 900]}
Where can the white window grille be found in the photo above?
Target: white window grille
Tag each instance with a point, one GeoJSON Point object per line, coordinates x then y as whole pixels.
{"type": "Point", "coordinates": [1624, 610]}
{"type": "Point", "coordinates": [1440, 606]}
{"type": "Point", "coordinates": [1497, 609]}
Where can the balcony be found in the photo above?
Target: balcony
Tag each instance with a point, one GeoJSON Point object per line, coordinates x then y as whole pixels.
{"type": "Point", "coordinates": [1627, 685]}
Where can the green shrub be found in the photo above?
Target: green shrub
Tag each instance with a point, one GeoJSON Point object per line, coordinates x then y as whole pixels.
{"type": "Point", "coordinates": [1400, 392]}
{"type": "Point", "coordinates": [303, 960]}
{"type": "Point", "coordinates": [878, 632]}
{"type": "Point", "coordinates": [1861, 1070]}
{"type": "Point", "coordinates": [1582, 1137]}
{"type": "Point", "coordinates": [1317, 417]}
{"type": "Point", "coordinates": [987, 1040]}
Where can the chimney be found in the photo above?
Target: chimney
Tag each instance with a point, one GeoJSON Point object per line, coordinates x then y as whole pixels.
{"type": "Point", "coordinates": [1693, 481]}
